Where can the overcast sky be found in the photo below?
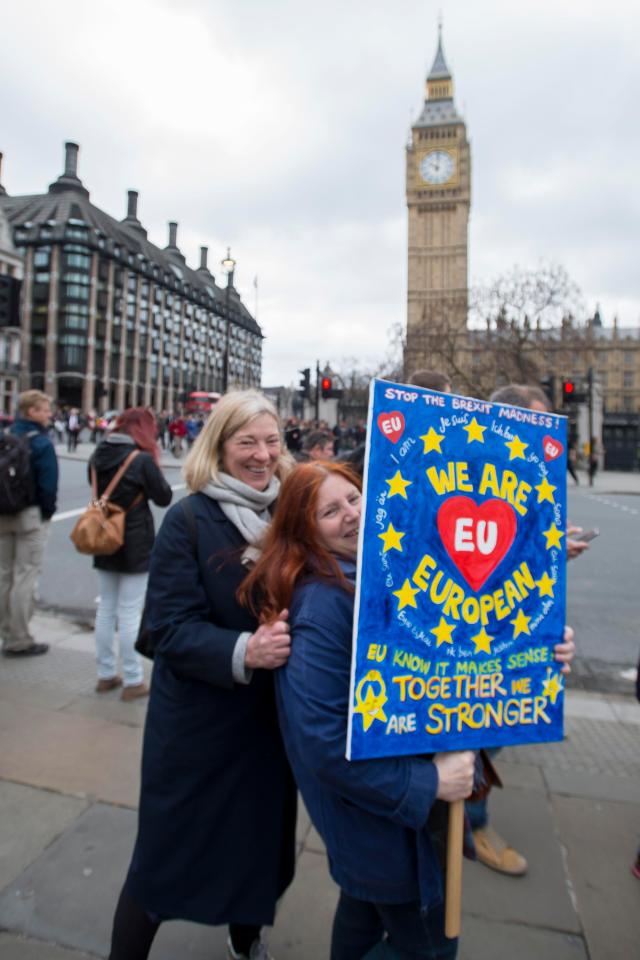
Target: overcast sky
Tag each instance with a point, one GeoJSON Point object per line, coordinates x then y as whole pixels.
{"type": "Point", "coordinates": [278, 127]}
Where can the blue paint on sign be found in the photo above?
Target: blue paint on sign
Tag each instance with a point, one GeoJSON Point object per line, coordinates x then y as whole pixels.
{"type": "Point", "coordinates": [461, 590]}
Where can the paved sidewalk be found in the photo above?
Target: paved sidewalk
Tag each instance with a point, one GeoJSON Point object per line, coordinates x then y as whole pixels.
{"type": "Point", "coordinates": [68, 791]}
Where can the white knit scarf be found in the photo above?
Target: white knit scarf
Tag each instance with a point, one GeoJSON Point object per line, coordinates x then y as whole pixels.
{"type": "Point", "coordinates": [246, 508]}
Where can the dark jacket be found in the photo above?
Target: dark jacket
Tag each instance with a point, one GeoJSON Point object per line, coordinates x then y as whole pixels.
{"type": "Point", "coordinates": [142, 476]}
{"type": "Point", "coordinates": [371, 814]}
{"type": "Point", "coordinates": [44, 465]}
{"type": "Point", "coordinates": [216, 835]}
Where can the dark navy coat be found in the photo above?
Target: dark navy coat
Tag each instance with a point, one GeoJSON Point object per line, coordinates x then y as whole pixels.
{"type": "Point", "coordinates": [217, 808]}
{"type": "Point", "coordinates": [380, 821]}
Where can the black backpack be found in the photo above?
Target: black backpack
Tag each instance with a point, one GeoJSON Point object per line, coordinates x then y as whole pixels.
{"type": "Point", "coordinates": [17, 486]}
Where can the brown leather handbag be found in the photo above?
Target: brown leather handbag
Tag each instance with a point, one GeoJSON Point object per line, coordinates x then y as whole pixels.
{"type": "Point", "coordinates": [99, 531]}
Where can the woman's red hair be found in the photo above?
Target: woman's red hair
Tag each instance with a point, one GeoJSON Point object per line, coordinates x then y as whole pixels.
{"type": "Point", "coordinates": [140, 424]}
{"type": "Point", "coordinates": [292, 549]}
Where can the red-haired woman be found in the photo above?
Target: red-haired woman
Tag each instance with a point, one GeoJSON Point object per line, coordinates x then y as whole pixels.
{"type": "Point", "coordinates": [122, 576]}
{"type": "Point", "coordinates": [380, 819]}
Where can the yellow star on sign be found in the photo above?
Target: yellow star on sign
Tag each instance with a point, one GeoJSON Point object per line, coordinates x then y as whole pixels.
{"type": "Point", "coordinates": [398, 484]}
{"type": "Point", "coordinates": [406, 596]}
{"type": "Point", "coordinates": [545, 585]}
{"type": "Point", "coordinates": [545, 491]}
{"type": "Point", "coordinates": [553, 535]}
{"type": "Point", "coordinates": [432, 441]}
{"type": "Point", "coordinates": [482, 641]}
{"type": "Point", "coordinates": [371, 705]}
{"type": "Point", "coordinates": [520, 624]}
{"type": "Point", "coordinates": [443, 632]}
{"type": "Point", "coordinates": [516, 448]}
{"type": "Point", "coordinates": [474, 431]}
{"type": "Point", "coordinates": [552, 686]}
{"type": "Point", "coordinates": [391, 539]}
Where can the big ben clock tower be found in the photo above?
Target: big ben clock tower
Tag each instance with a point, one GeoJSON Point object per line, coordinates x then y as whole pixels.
{"type": "Point", "coordinates": [438, 198]}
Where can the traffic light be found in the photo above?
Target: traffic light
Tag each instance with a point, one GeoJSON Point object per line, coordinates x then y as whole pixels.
{"type": "Point", "coordinates": [305, 384]}
{"type": "Point", "coordinates": [548, 385]}
{"type": "Point", "coordinates": [328, 391]}
{"type": "Point", "coordinates": [573, 392]}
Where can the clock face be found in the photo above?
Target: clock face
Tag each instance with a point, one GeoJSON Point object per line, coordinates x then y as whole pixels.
{"type": "Point", "coordinates": [437, 167]}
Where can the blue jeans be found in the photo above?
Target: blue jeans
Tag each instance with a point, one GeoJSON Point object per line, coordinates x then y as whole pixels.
{"type": "Point", "coordinates": [359, 930]}
{"type": "Point", "coordinates": [121, 600]}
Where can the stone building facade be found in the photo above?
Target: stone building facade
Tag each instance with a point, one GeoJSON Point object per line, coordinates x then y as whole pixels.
{"type": "Point", "coordinates": [108, 319]}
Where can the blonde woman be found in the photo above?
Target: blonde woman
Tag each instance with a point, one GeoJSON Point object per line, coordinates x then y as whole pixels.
{"type": "Point", "coordinates": [216, 826]}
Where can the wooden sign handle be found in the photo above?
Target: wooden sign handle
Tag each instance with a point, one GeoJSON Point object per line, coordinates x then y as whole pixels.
{"type": "Point", "coordinates": [454, 869]}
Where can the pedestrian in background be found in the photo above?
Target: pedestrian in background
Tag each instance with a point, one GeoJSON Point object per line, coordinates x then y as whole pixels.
{"type": "Point", "coordinates": [23, 534]}
{"type": "Point", "coordinates": [593, 459]}
{"type": "Point", "coordinates": [74, 426]}
{"type": "Point", "coordinates": [491, 848]}
{"type": "Point", "coordinates": [293, 435]}
{"type": "Point", "coordinates": [58, 427]}
{"type": "Point", "coordinates": [216, 828]}
{"type": "Point", "coordinates": [177, 431]}
{"type": "Point", "coordinates": [572, 461]}
{"type": "Point", "coordinates": [122, 576]}
{"type": "Point", "coordinates": [317, 445]}
{"type": "Point", "coordinates": [194, 426]}
{"type": "Point", "coordinates": [635, 866]}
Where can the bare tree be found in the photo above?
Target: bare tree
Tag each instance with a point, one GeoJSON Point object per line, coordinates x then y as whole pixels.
{"type": "Point", "coordinates": [510, 321]}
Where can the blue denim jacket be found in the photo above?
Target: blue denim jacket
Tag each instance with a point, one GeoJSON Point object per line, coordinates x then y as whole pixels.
{"type": "Point", "coordinates": [371, 814]}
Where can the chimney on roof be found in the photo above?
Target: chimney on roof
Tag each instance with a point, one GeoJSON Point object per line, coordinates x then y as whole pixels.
{"type": "Point", "coordinates": [203, 268]}
{"type": "Point", "coordinates": [71, 159]}
{"type": "Point", "coordinates": [3, 192]}
{"type": "Point", "coordinates": [132, 205]}
{"type": "Point", "coordinates": [131, 219]}
{"type": "Point", "coordinates": [172, 248]}
{"type": "Point", "coordinates": [69, 179]}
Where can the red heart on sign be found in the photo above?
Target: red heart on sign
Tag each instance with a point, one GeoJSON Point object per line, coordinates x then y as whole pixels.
{"type": "Point", "coordinates": [476, 537]}
{"type": "Point", "coordinates": [391, 425]}
{"type": "Point", "coordinates": [552, 448]}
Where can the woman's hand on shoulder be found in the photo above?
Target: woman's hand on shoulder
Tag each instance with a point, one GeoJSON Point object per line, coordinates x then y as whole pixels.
{"type": "Point", "coordinates": [455, 774]}
{"type": "Point", "coordinates": [269, 647]}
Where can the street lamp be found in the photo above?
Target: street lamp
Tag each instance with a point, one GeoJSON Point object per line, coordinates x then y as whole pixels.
{"type": "Point", "coordinates": [228, 265]}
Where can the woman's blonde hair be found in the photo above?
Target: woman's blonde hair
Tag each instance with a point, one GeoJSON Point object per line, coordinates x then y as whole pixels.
{"type": "Point", "coordinates": [230, 414]}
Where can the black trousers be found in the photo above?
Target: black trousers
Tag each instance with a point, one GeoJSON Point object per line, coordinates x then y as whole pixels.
{"type": "Point", "coordinates": [383, 931]}
{"type": "Point", "coordinates": [134, 931]}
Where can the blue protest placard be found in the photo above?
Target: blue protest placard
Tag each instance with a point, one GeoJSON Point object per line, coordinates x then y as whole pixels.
{"type": "Point", "coordinates": [460, 596]}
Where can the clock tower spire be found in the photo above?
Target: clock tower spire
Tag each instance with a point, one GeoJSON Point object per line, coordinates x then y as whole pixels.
{"type": "Point", "coordinates": [438, 185]}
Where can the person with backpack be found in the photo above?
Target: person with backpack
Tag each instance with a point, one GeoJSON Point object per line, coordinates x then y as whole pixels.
{"type": "Point", "coordinates": [28, 492]}
{"type": "Point", "coordinates": [122, 575]}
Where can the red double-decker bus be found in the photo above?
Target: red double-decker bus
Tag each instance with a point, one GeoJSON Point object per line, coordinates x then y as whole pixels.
{"type": "Point", "coordinates": [199, 401]}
